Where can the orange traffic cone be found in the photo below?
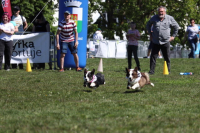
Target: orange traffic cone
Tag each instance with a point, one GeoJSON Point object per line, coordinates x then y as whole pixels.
{"type": "Point", "coordinates": [100, 68]}
{"type": "Point", "coordinates": [28, 66]}
{"type": "Point", "coordinates": [165, 69]}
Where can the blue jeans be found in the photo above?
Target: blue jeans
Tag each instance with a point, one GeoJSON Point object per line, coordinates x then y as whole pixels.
{"type": "Point", "coordinates": [193, 46]}
{"type": "Point", "coordinates": [65, 45]}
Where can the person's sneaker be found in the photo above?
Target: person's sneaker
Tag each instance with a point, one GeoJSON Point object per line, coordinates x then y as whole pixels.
{"type": "Point", "coordinates": [148, 56]}
{"type": "Point", "coordinates": [78, 69]}
{"type": "Point", "coordinates": [159, 57]}
{"type": "Point", "coordinates": [61, 70]}
{"type": "Point", "coordinates": [7, 69]}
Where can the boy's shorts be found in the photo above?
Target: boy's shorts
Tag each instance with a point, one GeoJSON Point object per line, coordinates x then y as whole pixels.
{"type": "Point", "coordinates": [65, 45]}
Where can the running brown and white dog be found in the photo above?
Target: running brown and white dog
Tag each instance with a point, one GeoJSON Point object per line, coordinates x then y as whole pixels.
{"type": "Point", "coordinates": [136, 79]}
{"type": "Point", "coordinates": [91, 80]}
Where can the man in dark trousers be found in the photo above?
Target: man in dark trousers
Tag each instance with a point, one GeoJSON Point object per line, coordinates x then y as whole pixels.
{"type": "Point", "coordinates": [161, 37]}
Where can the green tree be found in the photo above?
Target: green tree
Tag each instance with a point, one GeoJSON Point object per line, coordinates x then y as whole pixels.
{"type": "Point", "coordinates": [30, 8]}
{"type": "Point", "coordinates": [140, 11]}
{"type": "Point", "coordinates": [91, 27]}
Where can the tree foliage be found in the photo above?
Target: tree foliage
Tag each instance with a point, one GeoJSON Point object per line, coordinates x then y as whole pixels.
{"type": "Point", "coordinates": [140, 11]}
{"type": "Point", "coordinates": [30, 8]}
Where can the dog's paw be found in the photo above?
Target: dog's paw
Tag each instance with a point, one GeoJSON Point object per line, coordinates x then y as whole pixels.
{"type": "Point", "coordinates": [133, 87]}
{"type": "Point", "coordinates": [152, 84]}
{"type": "Point", "coordinates": [92, 84]}
{"type": "Point", "coordinates": [129, 87]}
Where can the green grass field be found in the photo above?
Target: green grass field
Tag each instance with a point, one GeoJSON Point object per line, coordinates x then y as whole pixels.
{"type": "Point", "coordinates": [49, 101]}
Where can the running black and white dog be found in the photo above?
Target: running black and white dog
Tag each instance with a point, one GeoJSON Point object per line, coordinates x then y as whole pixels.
{"type": "Point", "coordinates": [91, 80]}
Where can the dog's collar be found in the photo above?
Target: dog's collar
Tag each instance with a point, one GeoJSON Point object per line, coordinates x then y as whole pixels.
{"type": "Point", "coordinates": [94, 78]}
{"type": "Point", "coordinates": [139, 74]}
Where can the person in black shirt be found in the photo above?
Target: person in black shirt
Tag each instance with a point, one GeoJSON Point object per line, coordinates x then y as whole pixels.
{"type": "Point", "coordinates": [41, 25]}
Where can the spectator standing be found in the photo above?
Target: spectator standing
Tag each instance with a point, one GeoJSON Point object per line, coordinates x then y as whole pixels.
{"type": "Point", "coordinates": [150, 47]}
{"type": "Point", "coordinates": [6, 41]}
{"type": "Point", "coordinates": [133, 35]}
{"type": "Point", "coordinates": [191, 32]}
{"type": "Point", "coordinates": [13, 22]}
{"type": "Point", "coordinates": [41, 25]}
{"type": "Point", "coordinates": [97, 36]}
{"type": "Point", "coordinates": [65, 29]}
{"type": "Point", "coordinates": [15, 29]}
{"type": "Point", "coordinates": [21, 24]}
{"type": "Point", "coordinates": [161, 37]}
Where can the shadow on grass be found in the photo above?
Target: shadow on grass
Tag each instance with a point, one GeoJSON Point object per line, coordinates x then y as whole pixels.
{"type": "Point", "coordinates": [87, 91]}
{"type": "Point", "coordinates": [134, 91]}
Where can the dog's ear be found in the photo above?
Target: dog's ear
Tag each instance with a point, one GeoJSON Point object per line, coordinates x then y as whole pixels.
{"type": "Point", "coordinates": [127, 70]}
{"type": "Point", "coordinates": [92, 72]}
{"type": "Point", "coordinates": [136, 69]}
{"type": "Point", "coordinates": [85, 71]}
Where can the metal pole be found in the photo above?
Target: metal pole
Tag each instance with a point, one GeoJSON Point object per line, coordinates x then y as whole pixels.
{"type": "Point", "coordinates": [36, 16]}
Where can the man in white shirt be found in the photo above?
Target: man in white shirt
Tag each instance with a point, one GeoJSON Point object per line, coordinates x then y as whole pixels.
{"type": "Point", "coordinates": [97, 36]}
{"type": "Point", "coordinates": [21, 24]}
{"type": "Point", "coordinates": [19, 20]}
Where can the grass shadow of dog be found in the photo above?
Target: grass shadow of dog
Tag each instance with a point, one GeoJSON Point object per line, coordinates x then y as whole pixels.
{"type": "Point", "coordinates": [87, 91]}
{"type": "Point", "coordinates": [134, 91]}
